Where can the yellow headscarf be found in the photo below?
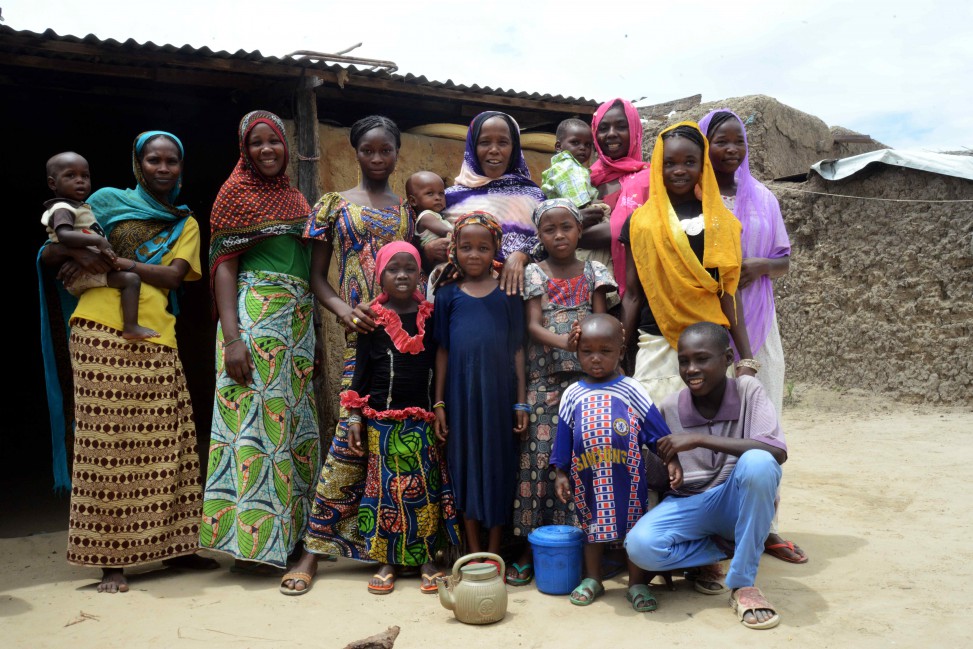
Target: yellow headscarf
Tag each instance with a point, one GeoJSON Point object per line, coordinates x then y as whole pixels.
{"type": "Point", "coordinates": [679, 289]}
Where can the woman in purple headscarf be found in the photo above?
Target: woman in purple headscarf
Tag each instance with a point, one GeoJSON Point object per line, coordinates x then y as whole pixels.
{"type": "Point", "coordinates": [495, 179]}
{"type": "Point", "coordinates": [766, 256]}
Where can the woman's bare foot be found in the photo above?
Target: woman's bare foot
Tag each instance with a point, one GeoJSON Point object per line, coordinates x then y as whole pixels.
{"type": "Point", "coordinates": [113, 581]}
{"type": "Point", "coordinates": [138, 332]}
{"type": "Point", "coordinates": [308, 563]}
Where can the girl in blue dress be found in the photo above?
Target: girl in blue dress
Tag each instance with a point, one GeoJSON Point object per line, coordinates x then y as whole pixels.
{"type": "Point", "coordinates": [480, 379]}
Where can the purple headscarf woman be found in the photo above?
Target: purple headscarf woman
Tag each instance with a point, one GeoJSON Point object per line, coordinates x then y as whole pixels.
{"type": "Point", "coordinates": [764, 238]}
{"type": "Point", "coordinates": [494, 178]}
{"type": "Point", "coordinates": [766, 256]}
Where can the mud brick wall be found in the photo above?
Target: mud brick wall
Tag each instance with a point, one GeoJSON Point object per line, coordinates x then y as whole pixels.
{"type": "Point", "coordinates": [880, 294]}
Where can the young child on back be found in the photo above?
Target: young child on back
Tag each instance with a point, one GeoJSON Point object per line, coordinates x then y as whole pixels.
{"type": "Point", "coordinates": [407, 512]}
{"type": "Point", "coordinates": [480, 387]}
{"type": "Point", "coordinates": [604, 420]}
{"type": "Point", "coordinates": [559, 291]}
{"type": "Point", "coordinates": [426, 193]}
{"type": "Point", "coordinates": [70, 222]}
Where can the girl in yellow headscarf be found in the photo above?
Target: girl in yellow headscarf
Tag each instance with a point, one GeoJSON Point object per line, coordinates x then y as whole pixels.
{"type": "Point", "coordinates": [683, 261]}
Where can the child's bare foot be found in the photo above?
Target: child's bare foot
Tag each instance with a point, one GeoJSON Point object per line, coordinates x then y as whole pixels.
{"type": "Point", "coordinates": [138, 332]}
{"type": "Point", "coordinates": [113, 581]}
{"type": "Point", "coordinates": [306, 565]}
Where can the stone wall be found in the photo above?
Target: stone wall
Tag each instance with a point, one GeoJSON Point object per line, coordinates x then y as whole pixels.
{"type": "Point", "coordinates": [783, 140]}
{"type": "Point", "coordinates": [880, 294]}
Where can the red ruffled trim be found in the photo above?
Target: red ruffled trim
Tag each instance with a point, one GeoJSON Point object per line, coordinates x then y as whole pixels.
{"type": "Point", "coordinates": [403, 342]}
{"type": "Point", "coordinates": [412, 412]}
{"type": "Point", "coordinates": [351, 399]}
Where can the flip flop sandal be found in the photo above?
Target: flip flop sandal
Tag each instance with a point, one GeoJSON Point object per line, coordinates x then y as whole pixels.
{"type": "Point", "coordinates": [433, 585]}
{"type": "Point", "coordinates": [642, 599]}
{"type": "Point", "coordinates": [526, 569]}
{"type": "Point", "coordinates": [295, 577]}
{"type": "Point", "coordinates": [749, 600]}
{"type": "Point", "coordinates": [590, 589]}
{"type": "Point", "coordinates": [386, 587]}
{"type": "Point", "coordinates": [777, 550]}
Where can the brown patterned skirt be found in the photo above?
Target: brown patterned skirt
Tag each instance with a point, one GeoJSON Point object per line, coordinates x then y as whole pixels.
{"type": "Point", "coordinates": [135, 494]}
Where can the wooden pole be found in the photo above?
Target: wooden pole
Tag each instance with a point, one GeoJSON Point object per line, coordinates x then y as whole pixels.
{"type": "Point", "coordinates": [306, 125]}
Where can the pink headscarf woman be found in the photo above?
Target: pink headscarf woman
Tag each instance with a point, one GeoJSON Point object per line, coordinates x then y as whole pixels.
{"type": "Point", "coordinates": [620, 174]}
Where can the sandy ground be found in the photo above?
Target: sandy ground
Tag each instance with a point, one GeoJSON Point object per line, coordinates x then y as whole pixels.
{"type": "Point", "coordinates": [879, 494]}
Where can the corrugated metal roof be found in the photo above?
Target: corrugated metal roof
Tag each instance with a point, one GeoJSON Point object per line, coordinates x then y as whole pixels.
{"type": "Point", "coordinates": [113, 51]}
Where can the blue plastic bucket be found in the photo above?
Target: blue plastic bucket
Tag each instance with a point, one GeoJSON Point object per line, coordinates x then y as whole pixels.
{"type": "Point", "coordinates": [558, 552]}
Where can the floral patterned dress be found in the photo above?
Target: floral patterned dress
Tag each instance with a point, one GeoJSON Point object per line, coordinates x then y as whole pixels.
{"type": "Point", "coordinates": [357, 233]}
{"type": "Point", "coordinates": [549, 372]}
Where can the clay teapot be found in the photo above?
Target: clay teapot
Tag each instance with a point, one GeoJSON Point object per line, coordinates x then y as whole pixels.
{"type": "Point", "coordinates": [475, 592]}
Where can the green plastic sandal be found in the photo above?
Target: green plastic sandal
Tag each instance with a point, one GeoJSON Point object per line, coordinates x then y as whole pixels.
{"type": "Point", "coordinates": [590, 589]}
{"type": "Point", "coordinates": [526, 569]}
{"type": "Point", "coordinates": [642, 599]}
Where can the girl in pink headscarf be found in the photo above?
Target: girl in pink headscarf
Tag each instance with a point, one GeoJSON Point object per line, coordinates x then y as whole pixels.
{"type": "Point", "coordinates": [407, 513]}
{"type": "Point", "coordinates": [619, 174]}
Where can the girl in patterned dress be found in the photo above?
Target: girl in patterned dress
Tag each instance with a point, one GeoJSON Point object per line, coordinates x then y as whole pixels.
{"type": "Point", "coordinates": [407, 513]}
{"type": "Point", "coordinates": [351, 227]}
{"type": "Point", "coordinates": [559, 292]}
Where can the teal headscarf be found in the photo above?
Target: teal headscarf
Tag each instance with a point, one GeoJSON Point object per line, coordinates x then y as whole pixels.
{"type": "Point", "coordinates": [114, 206]}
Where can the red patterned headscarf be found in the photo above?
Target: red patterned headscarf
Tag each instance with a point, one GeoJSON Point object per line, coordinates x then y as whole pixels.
{"type": "Point", "coordinates": [251, 207]}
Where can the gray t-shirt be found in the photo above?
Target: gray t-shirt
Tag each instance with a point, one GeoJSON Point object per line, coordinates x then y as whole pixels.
{"type": "Point", "coordinates": [746, 413]}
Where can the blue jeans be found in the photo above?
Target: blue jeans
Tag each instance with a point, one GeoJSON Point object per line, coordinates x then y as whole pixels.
{"type": "Point", "coordinates": [676, 533]}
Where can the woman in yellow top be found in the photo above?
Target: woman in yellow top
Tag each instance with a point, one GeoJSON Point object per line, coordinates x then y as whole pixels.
{"type": "Point", "coordinates": [135, 494]}
{"type": "Point", "coordinates": [683, 261]}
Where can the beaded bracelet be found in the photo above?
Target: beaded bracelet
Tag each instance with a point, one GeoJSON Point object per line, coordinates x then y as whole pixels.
{"type": "Point", "coordinates": [751, 363]}
{"type": "Point", "coordinates": [354, 419]}
{"type": "Point", "coordinates": [522, 407]}
{"type": "Point", "coordinates": [439, 404]}
{"type": "Point", "coordinates": [131, 268]}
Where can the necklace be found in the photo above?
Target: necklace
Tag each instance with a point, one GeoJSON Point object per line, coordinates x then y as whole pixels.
{"type": "Point", "coordinates": [393, 326]}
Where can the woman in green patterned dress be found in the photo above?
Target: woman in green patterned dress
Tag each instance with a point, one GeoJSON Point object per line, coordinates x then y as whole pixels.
{"type": "Point", "coordinates": [263, 453]}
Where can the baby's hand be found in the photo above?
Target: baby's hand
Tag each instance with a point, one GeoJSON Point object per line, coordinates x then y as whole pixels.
{"type": "Point", "coordinates": [437, 250]}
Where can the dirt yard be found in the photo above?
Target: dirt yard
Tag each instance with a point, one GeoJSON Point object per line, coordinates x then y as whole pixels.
{"type": "Point", "coordinates": [878, 494]}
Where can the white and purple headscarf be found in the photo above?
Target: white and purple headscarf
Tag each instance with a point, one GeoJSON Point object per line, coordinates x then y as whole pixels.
{"type": "Point", "coordinates": [764, 235]}
{"type": "Point", "coordinates": [510, 199]}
